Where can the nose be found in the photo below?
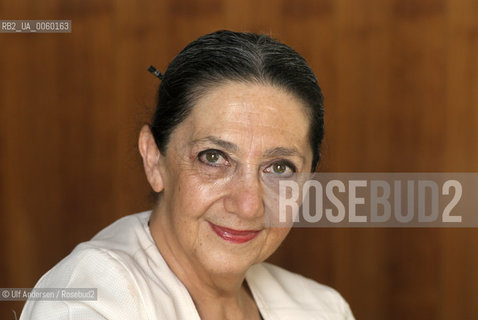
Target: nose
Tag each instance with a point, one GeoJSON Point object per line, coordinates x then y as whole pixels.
{"type": "Point", "coordinates": [246, 196]}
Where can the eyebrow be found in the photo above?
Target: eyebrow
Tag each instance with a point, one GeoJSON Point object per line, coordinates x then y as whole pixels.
{"type": "Point", "coordinates": [284, 152]}
{"type": "Point", "coordinates": [231, 147]}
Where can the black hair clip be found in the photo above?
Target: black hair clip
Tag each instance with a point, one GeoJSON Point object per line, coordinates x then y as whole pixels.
{"type": "Point", "coordinates": [156, 72]}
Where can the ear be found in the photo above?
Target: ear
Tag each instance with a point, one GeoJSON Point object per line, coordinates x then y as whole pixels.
{"type": "Point", "coordinates": [150, 153]}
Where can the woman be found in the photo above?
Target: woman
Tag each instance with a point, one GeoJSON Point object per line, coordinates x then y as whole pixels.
{"type": "Point", "coordinates": [234, 109]}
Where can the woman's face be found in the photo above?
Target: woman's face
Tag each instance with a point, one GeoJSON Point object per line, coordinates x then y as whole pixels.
{"type": "Point", "coordinates": [217, 168]}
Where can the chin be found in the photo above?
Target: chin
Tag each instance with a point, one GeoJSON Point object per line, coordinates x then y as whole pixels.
{"type": "Point", "coordinates": [225, 263]}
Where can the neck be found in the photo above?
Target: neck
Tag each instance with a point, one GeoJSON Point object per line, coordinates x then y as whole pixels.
{"type": "Point", "coordinates": [215, 295]}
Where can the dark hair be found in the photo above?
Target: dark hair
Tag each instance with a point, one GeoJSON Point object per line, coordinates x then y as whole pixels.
{"type": "Point", "coordinates": [233, 56]}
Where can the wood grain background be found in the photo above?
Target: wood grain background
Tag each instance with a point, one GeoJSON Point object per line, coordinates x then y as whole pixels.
{"type": "Point", "coordinates": [401, 84]}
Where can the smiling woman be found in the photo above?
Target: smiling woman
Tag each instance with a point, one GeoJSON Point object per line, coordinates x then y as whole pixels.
{"type": "Point", "coordinates": [233, 109]}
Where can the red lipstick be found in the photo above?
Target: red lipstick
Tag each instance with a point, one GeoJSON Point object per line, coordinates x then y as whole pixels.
{"type": "Point", "coordinates": [235, 236]}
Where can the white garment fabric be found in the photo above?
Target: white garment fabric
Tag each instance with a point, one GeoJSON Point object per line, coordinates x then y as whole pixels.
{"type": "Point", "coordinates": [134, 282]}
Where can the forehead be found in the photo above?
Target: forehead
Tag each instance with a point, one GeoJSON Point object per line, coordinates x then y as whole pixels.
{"type": "Point", "coordinates": [249, 114]}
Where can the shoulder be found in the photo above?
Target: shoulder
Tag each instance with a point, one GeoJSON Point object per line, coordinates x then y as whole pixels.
{"type": "Point", "coordinates": [93, 268]}
{"type": "Point", "coordinates": [106, 263]}
{"type": "Point", "coordinates": [284, 292]}
{"type": "Point", "coordinates": [112, 252]}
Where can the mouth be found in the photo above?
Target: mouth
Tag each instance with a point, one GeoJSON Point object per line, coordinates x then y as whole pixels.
{"type": "Point", "coordinates": [234, 236]}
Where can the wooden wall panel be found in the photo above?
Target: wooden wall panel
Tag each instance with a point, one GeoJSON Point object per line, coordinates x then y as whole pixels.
{"type": "Point", "coordinates": [400, 79]}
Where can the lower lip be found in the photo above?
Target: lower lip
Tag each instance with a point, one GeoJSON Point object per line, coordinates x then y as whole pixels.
{"type": "Point", "coordinates": [234, 236]}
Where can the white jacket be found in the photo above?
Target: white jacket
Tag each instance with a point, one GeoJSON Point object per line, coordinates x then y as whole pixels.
{"type": "Point", "coordinates": [134, 282]}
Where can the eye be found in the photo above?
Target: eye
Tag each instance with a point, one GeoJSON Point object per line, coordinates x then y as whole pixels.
{"type": "Point", "coordinates": [213, 157]}
{"type": "Point", "coordinates": [282, 168]}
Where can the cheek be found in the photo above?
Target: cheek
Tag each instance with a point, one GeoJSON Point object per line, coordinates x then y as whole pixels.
{"type": "Point", "coordinates": [193, 196]}
{"type": "Point", "coordinates": [278, 234]}
{"type": "Point", "coordinates": [188, 206]}
{"type": "Point", "coordinates": [274, 239]}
